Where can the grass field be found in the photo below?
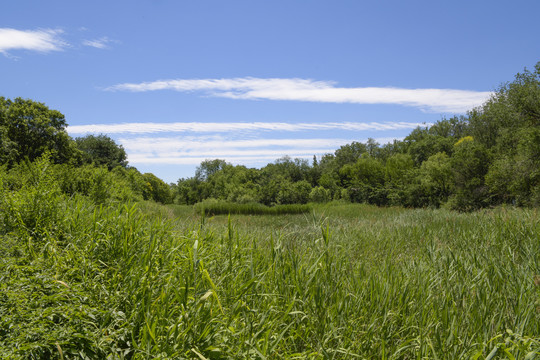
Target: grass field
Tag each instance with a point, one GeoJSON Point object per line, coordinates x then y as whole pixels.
{"type": "Point", "coordinates": [341, 282]}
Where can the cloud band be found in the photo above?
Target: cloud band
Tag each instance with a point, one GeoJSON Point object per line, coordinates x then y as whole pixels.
{"type": "Point", "coordinates": [435, 100]}
{"type": "Point", "coordinates": [215, 127]}
{"type": "Point", "coordinates": [255, 152]}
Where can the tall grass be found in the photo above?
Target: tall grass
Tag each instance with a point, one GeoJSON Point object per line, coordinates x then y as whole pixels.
{"type": "Point", "coordinates": [220, 207]}
{"type": "Point", "coordinates": [343, 282]}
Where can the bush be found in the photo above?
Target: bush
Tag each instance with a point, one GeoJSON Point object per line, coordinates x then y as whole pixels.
{"type": "Point", "coordinates": [34, 208]}
{"type": "Point", "coordinates": [320, 195]}
{"type": "Point", "coordinates": [219, 207]}
{"type": "Point", "coordinates": [157, 189]}
{"type": "Point", "coordinates": [98, 183]}
{"type": "Point", "coordinates": [470, 164]}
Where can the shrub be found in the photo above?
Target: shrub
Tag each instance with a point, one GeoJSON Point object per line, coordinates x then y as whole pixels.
{"type": "Point", "coordinates": [219, 207]}
{"type": "Point", "coordinates": [35, 207]}
{"type": "Point", "coordinates": [320, 195]}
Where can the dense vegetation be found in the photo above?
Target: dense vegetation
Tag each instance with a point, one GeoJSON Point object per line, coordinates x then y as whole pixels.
{"type": "Point", "coordinates": [90, 270]}
{"type": "Point", "coordinates": [219, 207]}
{"type": "Point", "coordinates": [80, 280]}
{"type": "Point", "coordinates": [489, 157]}
{"type": "Point", "coordinates": [93, 166]}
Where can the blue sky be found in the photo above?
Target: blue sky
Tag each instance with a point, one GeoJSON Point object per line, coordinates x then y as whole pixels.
{"type": "Point", "coordinates": [177, 82]}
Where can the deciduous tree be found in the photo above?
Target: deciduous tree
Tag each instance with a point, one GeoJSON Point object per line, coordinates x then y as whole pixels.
{"type": "Point", "coordinates": [101, 150]}
{"type": "Point", "coordinates": [29, 129]}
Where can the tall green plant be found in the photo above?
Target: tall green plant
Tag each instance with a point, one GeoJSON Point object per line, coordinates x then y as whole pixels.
{"type": "Point", "coordinates": [34, 208]}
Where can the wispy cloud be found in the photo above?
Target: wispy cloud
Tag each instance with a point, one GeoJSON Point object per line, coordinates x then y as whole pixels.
{"type": "Point", "coordinates": [41, 40]}
{"type": "Point", "coordinates": [215, 127]}
{"type": "Point", "coordinates": [225, 146]}
{"type": "Point", "coordinates": [436, 100]}
{"type": "Point", "coordinates": [101, 43]}
{"type": "Point", "coordinates": [257, 152]}
{"type": "Point", "coordinates": [247, 143]}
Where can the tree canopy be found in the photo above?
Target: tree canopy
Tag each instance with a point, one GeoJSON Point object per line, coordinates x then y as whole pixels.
{"type": "Point", "coordinates": [28, 129]}
{"type": "Point", "coordinates": [488, 157]}
{"type": "Point", "coordinates": [101, 150]}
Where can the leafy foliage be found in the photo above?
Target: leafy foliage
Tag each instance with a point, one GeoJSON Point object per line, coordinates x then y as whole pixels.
{"type": "Point", "coordinates": [29, 129]}
{"type": "Point", "coordinates": [344, 281]}
{"type": "Point", "coordinates": [101, 150]}
{"type": "Point", "coordinates": [486, 158]}
{"type": "Point", "coordinates": [156, 189]}
{"type": "Point", "coordinates": [84, 273]}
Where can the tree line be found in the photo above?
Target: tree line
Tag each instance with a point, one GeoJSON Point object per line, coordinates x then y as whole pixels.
{"type": "Point", "coordinates": [93, 165]}
{"type": "Point", "coordinates": [488, 157]}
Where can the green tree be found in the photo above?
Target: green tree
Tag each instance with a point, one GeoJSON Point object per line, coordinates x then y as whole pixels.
{"type": "Point", "coordinates": [8, 148]}
{"type": "Point", "coordinates": [516, 178]}
{"type": "Point", "coordinates": [301, 190]}
{"type": "Point", "coordinates": [209, 167]}
{"type": "Point", "coordinates": [437, 176]}
{"type": "Point", "coordinates": [271, 187]}
{"type": "Point", "coordinates": [349, 154]}
{"type": "Point", "coordinates": [372, 147]}
{"type": "Point", "coordinates": [508, 125]}
{"type": "Point", "coordinates": [470, 163]}
{"type": "Point", "coordinates": [158, 189]}
{"type": "Point", "coordinates": [456, 127]}
{"type": "Point", "coordinates": [421, 144]}
{"type": "Point", "coordinates": [386, 151]}
{"type": "Point", "coordinates": [314, 173]}
{"type": "Point", "coordinates": [514, 105]}
{"type": "Point", "coordinates": [364, 181]}
{"type": "Point", "coordinates": [397, 168]}
{"type": "Point", "coordinates": [29, 129]}
{"type": "Point", "coordinates": [233, 183]}
{"type": "Point", "coordinates": [101, 150]}
{"type": "Point", "coordinates": [189, 191]}
{"type": "Point", "coordinates": [292, 169]}
{"type": "Point", "coordinates": [399, 173]}
{"type": "Point", "coordinates": [330, 181]}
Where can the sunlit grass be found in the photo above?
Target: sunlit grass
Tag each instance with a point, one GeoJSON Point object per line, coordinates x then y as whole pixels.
{"type": "Point", "coordinates": [342, 281]}
{"type": "Point", "coordinates": [219, 207]}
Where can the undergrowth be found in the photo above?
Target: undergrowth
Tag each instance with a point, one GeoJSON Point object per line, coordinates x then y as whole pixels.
{"type": "Point", "coordinates": [86, 281]}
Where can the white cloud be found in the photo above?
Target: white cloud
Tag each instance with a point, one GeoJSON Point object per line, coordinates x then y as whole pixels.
{"type": "Point", "coordinates": [189, 143]}
{"type": "Point", "coordinates": [214, 127]}
{"type": "Point", "coordinates": [101, 43]}
{"type": "Point", "coordinates": [437, 100]}
{"type": "Point", "coordinates": [224, 146]}
{"type": "Point", "coordinates": [43, 40]}
{"type": "Point", "coordinates": [251, 144]}
{"type": "Point", "coordinates": [258, 160]}
{"type": "Point", "coordinates": [258, 152]}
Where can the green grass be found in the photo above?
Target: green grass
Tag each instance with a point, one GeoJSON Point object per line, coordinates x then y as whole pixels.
{"type": "Point", "coordinates": [341, 282]}
{"type": "Point", "coordinates": [219, 207]}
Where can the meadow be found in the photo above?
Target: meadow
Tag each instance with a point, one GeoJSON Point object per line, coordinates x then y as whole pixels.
{"type": "Point", "coordinates": [343, 281]}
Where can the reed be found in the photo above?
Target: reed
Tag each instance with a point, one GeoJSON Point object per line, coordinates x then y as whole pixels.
{"type": "Point", "coordinates": [128, 281]}
{"type": "Point", "coordinates": [219, 207]}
